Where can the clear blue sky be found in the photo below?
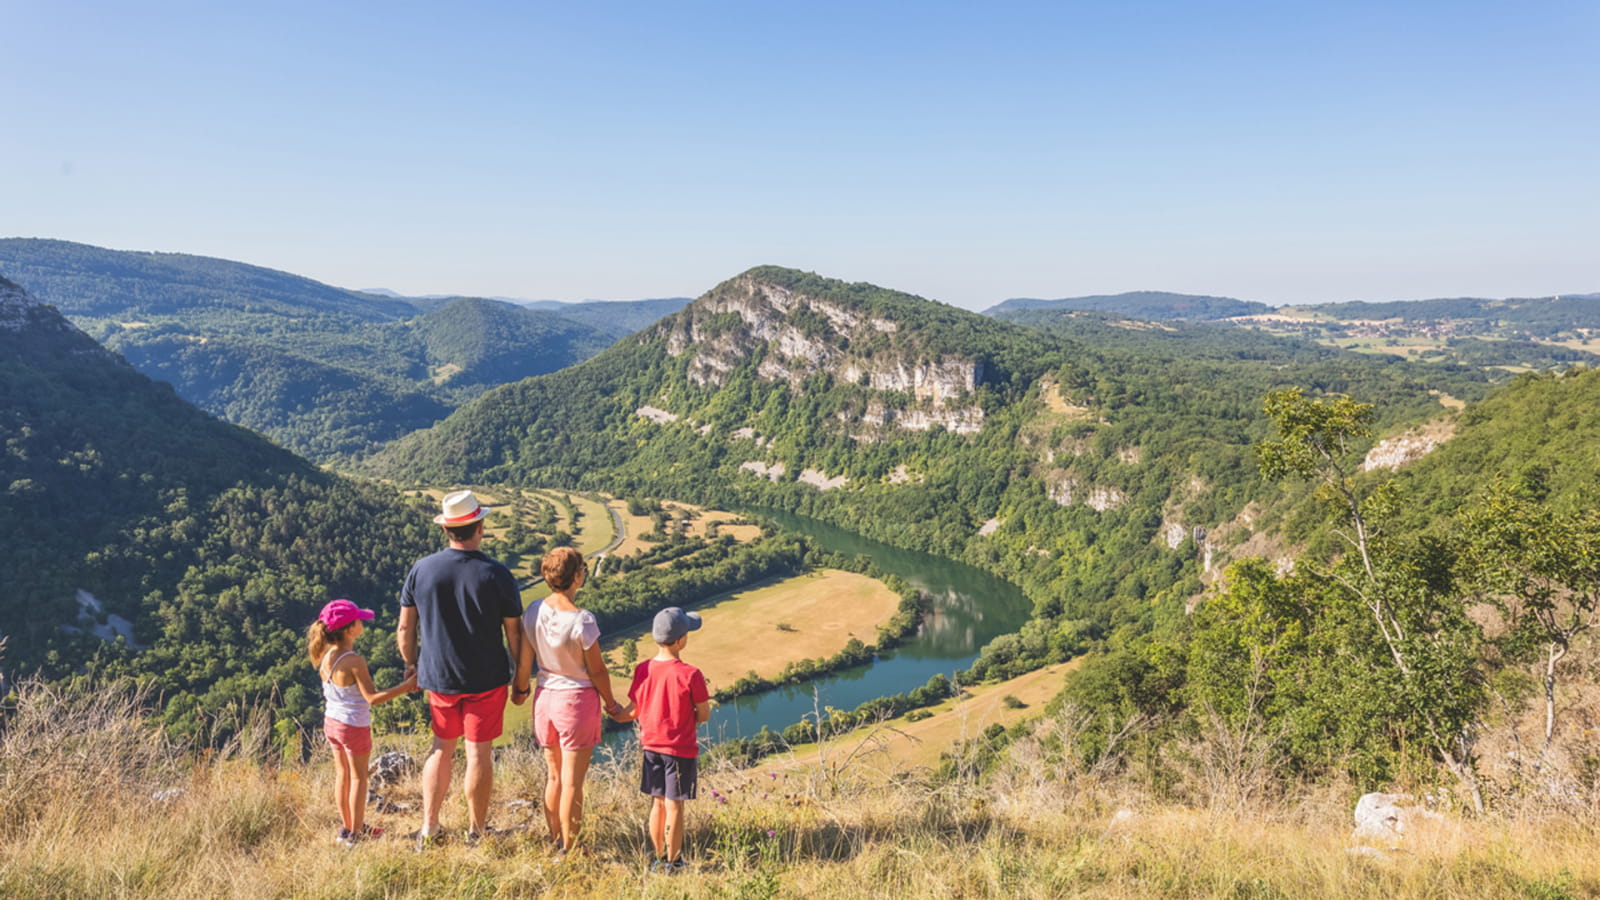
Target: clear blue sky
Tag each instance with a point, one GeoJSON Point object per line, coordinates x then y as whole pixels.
{"type": "Point", "coordinates": [966, 152]}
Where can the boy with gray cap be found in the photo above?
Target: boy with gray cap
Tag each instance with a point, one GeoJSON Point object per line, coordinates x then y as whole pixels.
{"type": "Point", "coordinates": [670, 700]}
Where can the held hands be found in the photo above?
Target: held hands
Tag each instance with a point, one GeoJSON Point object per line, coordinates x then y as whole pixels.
{"type": "Point", "coordinates": [620, 713]}
{"type": "Point", "coordinates": [520, 695]}
{"type": "Point", "coordinates": [410, 681]}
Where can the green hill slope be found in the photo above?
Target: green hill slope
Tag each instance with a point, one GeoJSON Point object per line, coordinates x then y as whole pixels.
{"type": "Point", "coordinates": [129, 513]}
{"type": "Point", "coordinates": [472, 344]}
{"type": "Point", "coordinates": [325, 371]}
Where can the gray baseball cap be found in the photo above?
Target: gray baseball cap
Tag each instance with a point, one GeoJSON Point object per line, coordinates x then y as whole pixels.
{"type": "Point", "coordinates": [673, 623]}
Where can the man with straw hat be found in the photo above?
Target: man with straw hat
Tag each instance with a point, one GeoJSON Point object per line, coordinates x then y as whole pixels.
{"type": "Point", "coordinates": [467, 612]}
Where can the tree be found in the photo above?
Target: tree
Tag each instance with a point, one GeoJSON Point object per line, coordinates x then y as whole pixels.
{"type": "Point", "coordinates": [1543, 568]}
{"type": "Point", "coordinates": [1404, 587]}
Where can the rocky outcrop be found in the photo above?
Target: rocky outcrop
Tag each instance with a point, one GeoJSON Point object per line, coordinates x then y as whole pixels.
{"type": "Point", "coordinates": [820, 480]}
{"type": "Point", "coordinates": [795, 336]}
{"type": "Point", "coordinates": [1383, 820]}
{"type": "Point", "coordinates": [771, 472]}
{"type": "Point", "coordinates": [902, 475]}
{"type": "Point", "coordinates": [1067, 488]}
{"type": "Point", "coordinates": [1398, 451]}
{"type": "Point", "coordinates": [1174, 534]}
{"type": "Point", "coordinates": [658, 416]}
{"type": "Point", "coordinates": [967, 420]}
{"type": "Point", "coordinates": [20, 314]}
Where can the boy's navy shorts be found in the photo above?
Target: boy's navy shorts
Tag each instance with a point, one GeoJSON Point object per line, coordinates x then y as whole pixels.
{"type": "Point", "coordinates": [672, 777]}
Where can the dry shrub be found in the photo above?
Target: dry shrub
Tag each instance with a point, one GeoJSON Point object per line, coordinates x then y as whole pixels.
{"type": "Point", "coordinates": [66, 744]}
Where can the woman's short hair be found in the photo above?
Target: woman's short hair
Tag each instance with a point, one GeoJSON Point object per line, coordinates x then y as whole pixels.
{"type": "Point", "coordinates": [560, 567]}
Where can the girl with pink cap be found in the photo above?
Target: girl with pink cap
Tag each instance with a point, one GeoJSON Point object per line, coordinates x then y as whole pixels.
{"type": "Point", "coordinates": [350, 694]}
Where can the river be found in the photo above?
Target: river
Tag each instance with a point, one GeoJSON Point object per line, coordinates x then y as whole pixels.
{"type": "Point", "coordinates": [970, 608]}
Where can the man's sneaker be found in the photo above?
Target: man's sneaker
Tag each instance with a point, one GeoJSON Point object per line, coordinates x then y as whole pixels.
{"type": "Point", "coordinates": [427, 842]}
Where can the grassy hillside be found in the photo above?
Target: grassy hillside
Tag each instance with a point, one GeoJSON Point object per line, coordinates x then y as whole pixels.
{"type": "Point", "coordinates": [1039, 823]}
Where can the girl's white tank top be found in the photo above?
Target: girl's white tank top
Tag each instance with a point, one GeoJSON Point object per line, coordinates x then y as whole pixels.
{"type": "Point", "coordinates": [346, 704]}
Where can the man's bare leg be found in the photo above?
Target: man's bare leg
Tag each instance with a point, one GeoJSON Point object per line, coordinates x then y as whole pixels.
{"type": "Point", "coordinates": [436, 782]}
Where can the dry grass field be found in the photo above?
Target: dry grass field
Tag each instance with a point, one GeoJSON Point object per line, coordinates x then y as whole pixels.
{"type": "Point", "coordinates": [822, 610]}
{"type": "Point", "coordinates": [97, 804]}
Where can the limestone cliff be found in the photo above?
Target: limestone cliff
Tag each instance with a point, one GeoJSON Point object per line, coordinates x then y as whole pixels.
{"type": "Point", "coordinates": [792, 336]}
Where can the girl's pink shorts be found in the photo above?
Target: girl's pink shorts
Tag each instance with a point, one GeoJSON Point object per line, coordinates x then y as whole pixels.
{"type": "Point", "coordinates": [351, 739]}
{"type": "Point", "coordinates": [567, 719]}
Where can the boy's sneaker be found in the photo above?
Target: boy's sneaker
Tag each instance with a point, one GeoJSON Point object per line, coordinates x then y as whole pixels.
{"type": "Point", "coordinates": [677, 867]}
{"type": "Point", "coordinates": [476, 837]}
{"type": "Point", "coordinates": [368, 833]}
{"type": "Point", "coordinates": [660, 866]}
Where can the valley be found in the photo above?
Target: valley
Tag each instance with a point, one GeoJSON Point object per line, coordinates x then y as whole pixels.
{"type": "Point", "coordinates": [949, 545]}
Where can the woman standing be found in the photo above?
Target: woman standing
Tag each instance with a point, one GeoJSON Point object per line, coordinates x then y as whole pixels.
{"type": "Point", "coordinates": [572, 686]}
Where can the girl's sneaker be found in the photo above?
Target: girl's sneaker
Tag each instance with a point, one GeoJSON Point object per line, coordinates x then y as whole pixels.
{"type": "Point", "coordinates": [345, 838]}
{"type": "Point", "coordinates": [677, 867]}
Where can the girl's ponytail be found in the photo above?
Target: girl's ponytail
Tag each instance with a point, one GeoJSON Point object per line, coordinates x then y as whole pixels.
{"type": "Point", "coordinates": [318, 640]}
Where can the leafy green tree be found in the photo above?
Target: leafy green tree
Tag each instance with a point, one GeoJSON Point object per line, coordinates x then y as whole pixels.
{"type": "Point", "coordinates": [1542, 567]}
{"type": "Point", "coordinates": [1404, 587]}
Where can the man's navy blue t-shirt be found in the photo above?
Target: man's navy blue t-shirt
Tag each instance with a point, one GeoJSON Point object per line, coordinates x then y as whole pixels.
{"type": "Point", "coordinates": [462, 599]}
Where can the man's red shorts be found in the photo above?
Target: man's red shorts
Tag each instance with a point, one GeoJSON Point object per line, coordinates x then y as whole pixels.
{"type": "Point", "coordinates": [480, 717]}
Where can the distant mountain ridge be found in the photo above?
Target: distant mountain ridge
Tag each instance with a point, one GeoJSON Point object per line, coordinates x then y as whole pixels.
{"type": "Point", "coordinates": [1139, 305]}
{"type": "Point", "coordinates": [1499, 336]}
{"type": "Point", "coordinates": [326, 371]}
{"type": "Point", "coordinates": [614, 317]}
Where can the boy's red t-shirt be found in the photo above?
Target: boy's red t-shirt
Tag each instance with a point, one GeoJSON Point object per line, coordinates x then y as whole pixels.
{"type": "Point", "coordinates": [666, 691]}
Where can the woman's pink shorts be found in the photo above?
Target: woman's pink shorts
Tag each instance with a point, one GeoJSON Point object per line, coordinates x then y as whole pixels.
{"type": "Point", "coordinates": [352, 739]}
{"type": "Point", "coordinates": [567, 719]}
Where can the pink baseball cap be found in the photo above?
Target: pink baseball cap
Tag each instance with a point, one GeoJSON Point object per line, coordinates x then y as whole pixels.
{"type": "Point", "coordinates": [339, 613]}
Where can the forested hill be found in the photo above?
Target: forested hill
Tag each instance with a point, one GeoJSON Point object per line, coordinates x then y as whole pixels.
{"type": "Point", "coordinates": [212, 545]}
{"type": "Point", "coordinates": [94, 282]}
{"type": "Point", "coordinates": [1156, 305]}
{"type": "Point", "coordinates": [1537, 314]}
{"type": "Point", "coordinates": [616, 318]}
{"type": "Point", "coordinates": [472, 345]}
{"type": "Point", "coordinates": [325, 371]}
{"type": "Point", "coordinates": [1089, 470]}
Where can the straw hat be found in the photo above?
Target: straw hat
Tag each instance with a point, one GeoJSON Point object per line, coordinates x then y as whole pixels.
{"type": "Point", "coordinates": [460, 508]}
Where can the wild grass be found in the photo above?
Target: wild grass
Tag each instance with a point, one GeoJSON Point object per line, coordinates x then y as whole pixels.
{"type": "Point", "coordinates": [95, 803]}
